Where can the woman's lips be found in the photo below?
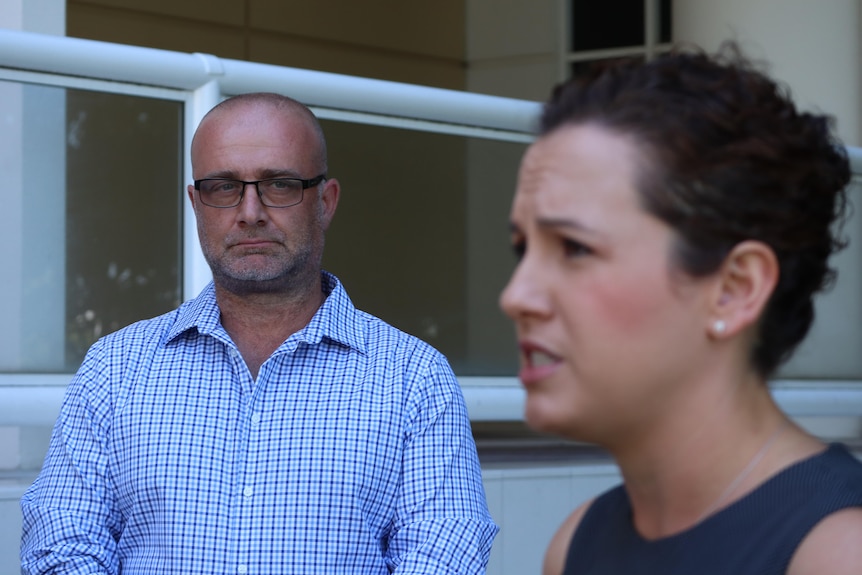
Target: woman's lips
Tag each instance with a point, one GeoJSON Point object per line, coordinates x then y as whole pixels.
{"type": "Point", "coordinates": [537, 364]}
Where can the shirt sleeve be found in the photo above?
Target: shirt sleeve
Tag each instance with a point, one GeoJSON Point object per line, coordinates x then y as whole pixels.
{"type": "Point", "coordinates": [442, 525]}
{"type": "Point", "coordinates": [69, 520]}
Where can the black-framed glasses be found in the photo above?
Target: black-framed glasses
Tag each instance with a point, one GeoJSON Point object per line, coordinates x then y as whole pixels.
{"type": "Point", "coordinates": [273, 192]}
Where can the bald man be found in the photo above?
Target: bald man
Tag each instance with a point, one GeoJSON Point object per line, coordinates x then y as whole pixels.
{"type": "Point", "coordinates": [266, 426]}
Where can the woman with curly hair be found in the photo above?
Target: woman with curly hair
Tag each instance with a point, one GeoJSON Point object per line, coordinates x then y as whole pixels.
{"type": "Point", "coordinates": [673, 222]}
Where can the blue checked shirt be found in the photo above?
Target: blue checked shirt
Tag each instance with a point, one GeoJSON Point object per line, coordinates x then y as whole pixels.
{"type": "Point", "coordinates": [350, 454]}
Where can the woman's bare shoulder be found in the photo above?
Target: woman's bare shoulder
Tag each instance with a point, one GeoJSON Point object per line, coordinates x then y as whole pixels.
{"type": "Point", "coordinates": [555, 556]}
{"type": "Point", "coordinates": [833, 546]}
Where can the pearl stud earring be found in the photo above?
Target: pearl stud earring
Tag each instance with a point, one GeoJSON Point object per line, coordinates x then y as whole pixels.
{"type": "Point", "coordinates": [719, 326]}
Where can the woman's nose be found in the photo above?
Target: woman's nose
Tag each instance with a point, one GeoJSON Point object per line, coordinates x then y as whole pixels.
{"type": "Point", "coordinates": [524, 294]}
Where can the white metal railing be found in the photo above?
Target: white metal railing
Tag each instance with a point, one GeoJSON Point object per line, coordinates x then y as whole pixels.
{"type": "Point", "coordinates": [190, 72]}
{"type": "Point", "coordinates": [201, 80]}
{"type": "Point", "coordinates": [36, 400]}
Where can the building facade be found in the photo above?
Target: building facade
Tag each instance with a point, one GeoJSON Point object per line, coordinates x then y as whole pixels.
{"type": "Point", "coordinates": [99, 234]}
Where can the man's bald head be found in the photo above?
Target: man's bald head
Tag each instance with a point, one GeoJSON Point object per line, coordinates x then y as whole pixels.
{"type": "Point", "coordinates": [278, 104]}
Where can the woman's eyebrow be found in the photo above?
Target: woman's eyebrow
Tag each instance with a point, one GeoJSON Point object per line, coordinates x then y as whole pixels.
{"type": "Point", "coordinates": [566, 223]}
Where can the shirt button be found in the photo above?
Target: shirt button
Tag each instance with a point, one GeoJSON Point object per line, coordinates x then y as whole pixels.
{"type": "Point", "coordinates": [248, 491]}
{"type": "Point", "coordinates": [255, 418]}
{"type": "Point", "coordinates": [242, 569]}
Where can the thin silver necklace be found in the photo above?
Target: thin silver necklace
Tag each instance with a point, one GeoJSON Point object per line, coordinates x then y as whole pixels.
{"type": "Point", "coordinates": [742, 474]}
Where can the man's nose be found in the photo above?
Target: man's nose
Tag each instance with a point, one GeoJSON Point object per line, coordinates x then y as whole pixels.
{"type": "Point", "coordinates": [251, 209]}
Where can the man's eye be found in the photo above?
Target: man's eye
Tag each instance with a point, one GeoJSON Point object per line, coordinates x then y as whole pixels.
{"type": "Point", "coordinates": [287, 184]}
{"type": "Point", "coordinates": [224, 186]}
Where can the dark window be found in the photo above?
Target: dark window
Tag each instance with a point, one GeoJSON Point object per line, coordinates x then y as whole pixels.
{"type": "Point", "coordinates": [665, 22]}
{"type": "Point", "coordinates": [614, 24]}
{"type": "Point", "coordinates": [607, 24]}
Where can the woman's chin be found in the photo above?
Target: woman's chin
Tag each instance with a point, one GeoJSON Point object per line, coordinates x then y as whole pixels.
{"type": "Point", "coordinates": [541, 416]}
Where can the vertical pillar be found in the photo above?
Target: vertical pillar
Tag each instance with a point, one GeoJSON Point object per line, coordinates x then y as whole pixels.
{"type": "Point", "coordinates": [812, 46]}
{"type": "Point", "coordinates": [33, 161]}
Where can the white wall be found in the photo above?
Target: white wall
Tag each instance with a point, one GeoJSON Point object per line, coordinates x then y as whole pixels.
{"type": "Point", "coordinates": [530, 502]}
{"type": "Point", "coordinates": [10, 528]}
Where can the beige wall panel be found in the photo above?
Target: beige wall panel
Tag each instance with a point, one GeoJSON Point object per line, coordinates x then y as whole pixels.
{"type": "Point", "coordinates": [138, 29]}
{"type": "Point", "coordinates": [526, 78]}
{"type": "Point", "coordinates": [430, 27]}
{"type": "Point", "coordinates": [219, 11]}
{"type": "Point", "coordinates": [344, 59]}
{"type": "Point", "coordinates": [512, 28]}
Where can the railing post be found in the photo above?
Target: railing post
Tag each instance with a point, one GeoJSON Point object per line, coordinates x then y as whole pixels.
{"type": "Point", "coordinates": [196, 271]}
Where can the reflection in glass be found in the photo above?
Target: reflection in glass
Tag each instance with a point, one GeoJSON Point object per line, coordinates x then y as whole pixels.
{"type": "Point", "coordinates": [427, 246]}
{"type": "Point", "coordinates": [124, 189]}
{"type": "Point", "coordinates": [94, 187]}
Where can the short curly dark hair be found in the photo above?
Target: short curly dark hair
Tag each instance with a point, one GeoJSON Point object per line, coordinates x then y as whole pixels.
{"type": "Point", "coordinates": [729, 159]}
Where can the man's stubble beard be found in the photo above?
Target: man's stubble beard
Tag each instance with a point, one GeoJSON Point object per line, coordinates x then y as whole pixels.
{"type": "Point", "coordinates": [292, 276]}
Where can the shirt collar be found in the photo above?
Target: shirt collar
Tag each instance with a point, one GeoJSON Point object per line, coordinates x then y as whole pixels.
{"type": "Point", "coordinates": [337, 319]}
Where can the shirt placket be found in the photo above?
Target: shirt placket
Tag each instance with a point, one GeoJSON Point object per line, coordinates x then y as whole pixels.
{"type": "Point", "coordinates": [245, 490]}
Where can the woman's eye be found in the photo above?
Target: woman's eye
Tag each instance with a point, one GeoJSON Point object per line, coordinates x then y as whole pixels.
{"type": "Point", "coordinates": [519, 248]}
{"type": "Point", "coordinates": [573, 248]}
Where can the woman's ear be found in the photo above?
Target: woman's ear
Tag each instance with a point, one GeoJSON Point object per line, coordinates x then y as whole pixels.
{"type": "Point", "coordinates": [743, 287]}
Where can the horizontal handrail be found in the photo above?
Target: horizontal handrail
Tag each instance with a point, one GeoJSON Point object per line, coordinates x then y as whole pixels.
{"type": "Point", "coordinates": [35, 399]}
{"type": "Point", "coordinates": [187, 71]}
{"type": "Point", "coordinates": [94, 59]}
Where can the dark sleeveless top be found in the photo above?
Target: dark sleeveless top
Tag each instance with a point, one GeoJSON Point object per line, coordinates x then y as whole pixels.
{"type": "Point", "coordinates": [757, 534]}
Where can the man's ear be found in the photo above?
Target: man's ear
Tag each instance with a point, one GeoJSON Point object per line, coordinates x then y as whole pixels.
{"type": "Point", "coordinates": [329, 201]}
{"type": "Point", "coordinates": [191, 191]}
{"type": "Point", "coordinates": [743, 287]}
